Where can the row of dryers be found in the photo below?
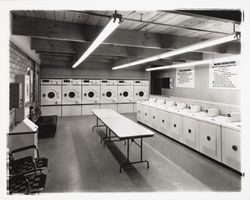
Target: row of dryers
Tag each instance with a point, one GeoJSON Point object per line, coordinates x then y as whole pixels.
{"type": "Point", "coordinates": [78, 96]}
{"type": "Point", "coordinates": [77, 91]}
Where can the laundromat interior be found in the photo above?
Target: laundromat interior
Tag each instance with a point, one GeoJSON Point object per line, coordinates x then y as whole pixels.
{"type": "Point", "coordinates": [125, 101]}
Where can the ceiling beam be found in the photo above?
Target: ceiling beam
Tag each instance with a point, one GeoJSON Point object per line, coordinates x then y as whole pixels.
{"type": "Point", "coordinates": [86, 33]}
{"type": "Point", "coordinates": [76, 48]}
{"type": "Point", "coordinates": [229, 16]}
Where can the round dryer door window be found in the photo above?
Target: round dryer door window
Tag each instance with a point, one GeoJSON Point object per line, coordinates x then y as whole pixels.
{"type": "Point", "coordinates": [108, 94]}
{"type": "Point", "coordinates": [91, 94]}
{"type": "Point", "coordinates": [141, 93]}
{"type": "Point", "coordinates": [72, 94]}
{"type": "Point", "coordinates": [125, 93]}
{"type": "Point", "coordinates": [51, 95]}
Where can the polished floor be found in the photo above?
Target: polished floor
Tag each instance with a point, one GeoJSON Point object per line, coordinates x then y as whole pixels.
{"type": "Point", "coordinates": [79, 163]}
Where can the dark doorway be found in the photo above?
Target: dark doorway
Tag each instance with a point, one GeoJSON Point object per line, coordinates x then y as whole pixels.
{"type": "Point", "coordinates": [156, 83]}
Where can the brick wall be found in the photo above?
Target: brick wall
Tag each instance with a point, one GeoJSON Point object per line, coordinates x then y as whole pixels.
{"type": "Point", "coordinates": [19, 64]}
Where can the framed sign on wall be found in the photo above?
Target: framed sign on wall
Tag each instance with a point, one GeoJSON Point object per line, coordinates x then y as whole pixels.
{"type": "Point", "coordinates": [224, 75]}
{"type": "Point", "coordinates": [185, 77]}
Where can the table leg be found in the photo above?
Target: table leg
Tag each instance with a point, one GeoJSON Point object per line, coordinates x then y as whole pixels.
{"type": "Point", "coordinates": [127, 150]}
{"type": "Point", "coordinates": [97, 125]}
{"type": "Point", "coordinates": [141, 149]}
{"type": "Point", "coordinates": [141, 156]}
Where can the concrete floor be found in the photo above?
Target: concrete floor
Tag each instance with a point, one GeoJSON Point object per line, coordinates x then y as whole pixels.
{"type": "Point", "coordinates": [79, 163]}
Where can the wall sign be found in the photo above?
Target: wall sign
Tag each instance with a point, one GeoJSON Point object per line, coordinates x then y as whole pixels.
{"type": "Point", "coordinates": [224, 75]}
{"type": "Point", "coordinates": [185, 77]}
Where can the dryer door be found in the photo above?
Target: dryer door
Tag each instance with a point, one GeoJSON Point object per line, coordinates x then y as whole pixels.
{"type": "Point", "coordinates": [90, 96]}
{"type": "Point", "coordinates": [49, 97]}
{"type": "Point", "coordinates": [140, 94]}
{"type": "Point", "coordinates": [108, 94]}
{"type": "Point", "coordinates": [72, 96]}
{"type": "Point", "coordinates": [125, 95]}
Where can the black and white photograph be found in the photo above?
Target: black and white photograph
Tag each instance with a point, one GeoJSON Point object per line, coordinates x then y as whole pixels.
{"type": "Point", "coordinates": [123, 101]}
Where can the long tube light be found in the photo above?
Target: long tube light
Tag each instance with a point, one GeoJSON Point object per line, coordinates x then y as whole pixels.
{"type": "Point", "coordinates": [109, 28]}
{"type": "Point", "coordinates": [194, 47]}
{"type": "Point", "coordinates": [201, 62]}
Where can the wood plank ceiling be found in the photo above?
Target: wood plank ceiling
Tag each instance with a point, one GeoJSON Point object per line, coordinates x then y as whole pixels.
{"type": "Point", "coordinates": [61, 36]}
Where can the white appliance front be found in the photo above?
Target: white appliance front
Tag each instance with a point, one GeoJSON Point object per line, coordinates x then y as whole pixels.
{"type": "Point", "coordinates": [108, 91]}
{"type": "Point", "coordinates": [90, 94]}
{"type": "Point", "coordinates": [50, 94]}
{"type": "Point", "coordinates": [112, 106]}
{"type": "Point", "coordinates": [141, 90]}
{"type": "Point", "coordinates": [125, 91]}
{"type": "Point", "coordinates": [86, 109]}
{"type": "Point", "coordinates": [71, 94]}
{"type": "Point", "coordinates": [90, 91]}
{"type": "Point", "coordinates": [125, 108]}
{"type": "Point", "coordinates": [140, 93]}
{"type": "Point", "coordinates": [71, 110]}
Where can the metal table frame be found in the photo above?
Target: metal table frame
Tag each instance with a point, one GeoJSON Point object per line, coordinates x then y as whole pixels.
{"type": "Point", "coordinates": [108, 139]}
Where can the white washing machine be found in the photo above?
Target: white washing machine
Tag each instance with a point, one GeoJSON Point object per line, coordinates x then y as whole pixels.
{"type": "Point", "coordinates": [141, 91]}
{"type": "Point", "coordinates": [109, 94]}
{"type": "Point", "coordinates": [71, 97]}
{"type": "Point", "coordinates": [51, 97]}
{"type": "Point", "coordinates": [125, 96]}
{"type": "Point", "coordinates": [125, 91]}
{"type": "Point", "coordinates": [90, 96]}
{"type": "Point", "coordinates": [91, 91]}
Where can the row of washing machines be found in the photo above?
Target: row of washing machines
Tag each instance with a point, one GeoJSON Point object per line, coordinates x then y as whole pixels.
{"type": "Point", "coordinates": [69, 97]}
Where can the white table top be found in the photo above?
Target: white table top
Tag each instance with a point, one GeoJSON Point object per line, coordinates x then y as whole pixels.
{"type": "Point", "coordinates": [126, 128]}
{"type": "Point", "coordinates": [120, 125]}
{"type": "Point", "coordinates": [105, 113]}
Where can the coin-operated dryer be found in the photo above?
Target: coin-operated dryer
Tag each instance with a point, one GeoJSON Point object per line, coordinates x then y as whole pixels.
{"type": "Point", "coordinates": [109, 94]}
{"type": "Point", "coordinates": [125, 94]}
{"type": "Point", "coordinates": [90, 95]}
{"type": "Point", "coordinates": [141, 91]}
{"type": "Point", "coordinates": [71, 97]}
{"type": "Point", "coordinates": [51, 98]}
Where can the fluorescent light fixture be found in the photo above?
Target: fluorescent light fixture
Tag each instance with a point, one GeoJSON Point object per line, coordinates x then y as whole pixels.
{"type": "Point", "coordinates": [109, 28]}
{"type": "Point", "coordinates": [194, 47]}
{"type": "Point", "coordinates": [138, 62]}
{"type": "Point", "coordinates": [200, 62]}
